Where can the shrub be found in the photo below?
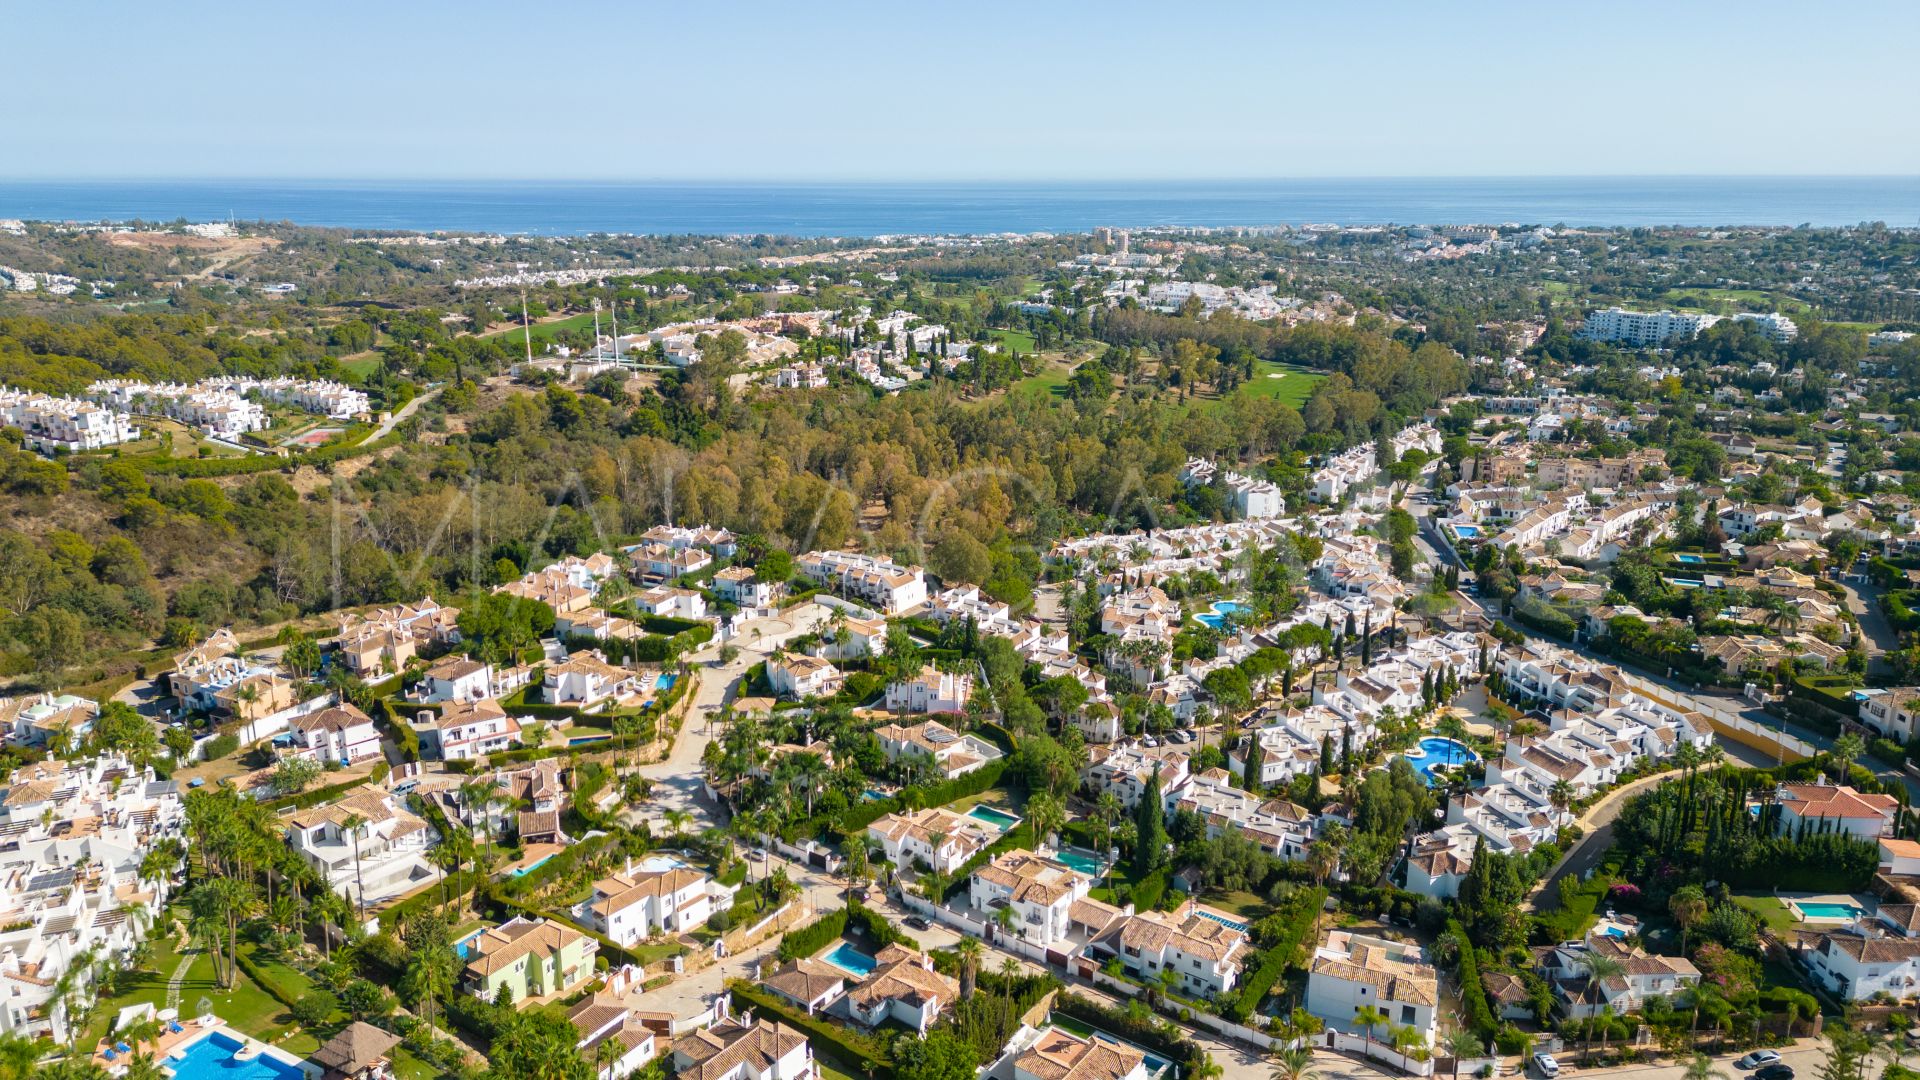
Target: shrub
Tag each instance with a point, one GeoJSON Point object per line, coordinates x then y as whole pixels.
{"type": "Point", "coordinates": [314, 1009]}
{"type": "Point", "coordinates": [1285, 951]}
{"type": "Point", "coordinates": [854, 1050]}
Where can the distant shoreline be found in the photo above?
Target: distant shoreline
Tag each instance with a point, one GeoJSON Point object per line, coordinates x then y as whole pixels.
{"type": "Point", "coordinates": [868, 209]}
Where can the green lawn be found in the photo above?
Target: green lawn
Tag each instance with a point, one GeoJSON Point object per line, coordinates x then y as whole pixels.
{"type": "Point", "coordinates": [1018, 340]}
{"type": "Point", "coordinates": [1239, 903]}
{"type": "Point", "coordinates": [1771, 911]}
{"type": "Point", "coordinates": [362, 365]}
{"type": "Point", "coordinates": [543, 332]}
{"type": "Point", "coordinates": [246, 1006]}
{"type": "Point", "coordinates": [1290, 384]}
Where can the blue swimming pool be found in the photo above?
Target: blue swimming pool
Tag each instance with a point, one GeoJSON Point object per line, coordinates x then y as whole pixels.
{"type": "Point", "coordinates": [212, 1058]}
{"type": "Point", "coordinates": [872, 795]}
{"type": "Point", "coordinates": [523, 871]}
{"type": "Point", "coordinates": [460, 947]}
{"type": "Point", "coordinates": [1688, 558]}
{"type": "Point", "coordinates": [1081, 862]}
{"type": "Point", "coordinates": [663, 682]}
{"type": "Point", "coordinates": [999, 819]}
{"type": "Point", "coordinates": [1221, 611]}
{"type": "Point", "coordinates": [583, 740]}
{"type": "Point", "coordinates": [1231, 924]}
{"type": "Point", "coordinates": [1466, 532]}
{"type": "Point", "coordinates": [1832, 912]}
{"type": "Point", "coordinates": [851, 960]}
{"type": "Point", "coordinates": [1437, 750]}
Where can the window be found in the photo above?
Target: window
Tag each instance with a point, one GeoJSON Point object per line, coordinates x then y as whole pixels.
{"type": "Point", "coordinates": [1406, 1014]}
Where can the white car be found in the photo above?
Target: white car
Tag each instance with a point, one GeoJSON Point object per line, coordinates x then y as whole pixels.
{"type": "Point", "coordinates": [1545, 1065]}
{"type": "Point", "coordinates": [1757, 1059]}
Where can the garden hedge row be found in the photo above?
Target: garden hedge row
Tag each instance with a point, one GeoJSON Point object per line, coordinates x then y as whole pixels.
{"type": "Point", "coordinates": [1302, 909]}
{"type": "Point", "coordinates": [856, 1053]}
{"type": "Point", "coordinates": [1473, 993]}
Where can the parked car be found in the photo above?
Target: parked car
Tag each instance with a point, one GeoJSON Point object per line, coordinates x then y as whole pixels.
{"type": "Point", "coordinates": [1775, 1071]}
{"type": "Point", "coordinates": [1757, 1059]}
{"type": "Point", "coordinates": [758, 853]}
{"type": "Point", "coordinates": [917, 923]}
{"type": "Point", "coordinates": [1545, 1065]}
{"type": "Point", "coordinates": [1150, 741]}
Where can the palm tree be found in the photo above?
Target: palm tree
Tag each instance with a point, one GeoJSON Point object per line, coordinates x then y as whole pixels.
{"type": "Point", "coordinates": [1688, 906]}
{"type": "Point", "coordinates": [352, 826]}
{"type": "Point", "coordinates": [1366, 1018]}
{"type": "Point", "coordinates": [970, 952]}
{"type": "Point", "coordinates": [1598, 967]}
{"type": "Point", "coordinates": [1293, 1063]}
{"type": "Point", "coordinates": [1703, 1068]}
{"type": "Point", "coordinates": [1109, 808]}
{"type": "Point", "coordinates": [1009, 971]}
{"type": "Point", "coordinates": [1463, 1044]}
{"type": "Point", "coordinates": [1047, 816]}
{"type": "Point", "coordinates": [1845, 751]}
{"type": "Point", "coordinates": [1560, 795]}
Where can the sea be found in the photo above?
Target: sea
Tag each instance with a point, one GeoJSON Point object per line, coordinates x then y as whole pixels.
{"type": "Point", "coordinates": [561, 208]}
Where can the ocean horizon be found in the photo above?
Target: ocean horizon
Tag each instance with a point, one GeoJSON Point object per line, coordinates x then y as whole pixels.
{"type": "Point", "coordinates": [864, 209]}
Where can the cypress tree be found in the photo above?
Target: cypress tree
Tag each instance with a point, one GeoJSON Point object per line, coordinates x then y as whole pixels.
{"type": "Point", "coordinates": [1255, 754]}
{"type": "Point", "coordinates": [1151, 831]}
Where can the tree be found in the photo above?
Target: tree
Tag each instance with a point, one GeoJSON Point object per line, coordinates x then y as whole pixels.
{"type": "Point", "coordinates": [314, 1009]}
{"type": "Point", "coordinates": [537, 1045]}
{"type": "Point", "coordinates": [970, 951]}
{"type": "Point", "coordinates": [1598, 967]}
{"type": "Point", "coordinates": [1293, 1063]}
{"type": "Point", "coordinates": [1463, 1044]}
{"type": "Point", "coordinates": [958, 556]}
{"type": "Point", "coordinates": [294, 774]}
{"type": "Point", "coordinates": [1150, 842]}
{"type": "Point", "coordinates": [1047, 815]}
{"type": "Point", "coordinates": [1367, 1018]}
{"type": "Point", "coordinates": [1845, 751]}
{"type": "Point", "coordinates": [940, 1055]}
{"type": "Point", "coordinates": [1688, 906]}
{"type": "Point", "coordinates": [1703, 1068]}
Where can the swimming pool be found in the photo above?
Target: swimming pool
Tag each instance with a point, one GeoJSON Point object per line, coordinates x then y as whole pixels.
{"type": "Point", "coordinates": [1221, 611]}
{"type": "Point", "coordinates": [999, 819]}
{"type": "Point", "coordinates": [1438, 750]}
{"type": "Point", "coordinates": [1081, 862]}
{"type": "Point", "coordinates": [1466, 532]}
{"type": "Point", "coordinates": [523, 871]}
{"type": "Point", "coordinates": [460, 947]}
{"type": "Point", "coordinates": [1231, 924]}
{"type": "Point", "coordinates": [212, 1058]}
{"type": "Point", "coordinates": [849, 959]}
{"type": "Point", "coordinates": [875, 796]}
{"type": "Point", "coordinates": [1685, 582]}
{"type": "Point", "coordinates": [585, 739]}
{"type": "Point", "coordinates": [1828, 911]}
{"type": "Point", "coordinates": [1688, 558]}
{"type": "Point", "coordinates": [663, 682]}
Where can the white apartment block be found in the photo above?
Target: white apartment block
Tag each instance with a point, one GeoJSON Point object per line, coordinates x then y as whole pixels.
{"type": "Point", "coordinates": [1126, 770]}
{"type": "Point", "coordinates": [1252, 499]}
{"type": "Point", "coordinates": [1281, 828]}
{"type": "Point", "coordinates": [64, 424]}
{"type": "Point", "coordinates": [883, 583]}
{"type": "Point", "coordinates": [1777, 327]}
{"type": "Point", "coordinates": [1644, 329]}
{"type": "Point", "coordinates": [76, 833]}
{"type": "Point", "coordinates": [930, 691]}
{"type": "Point", "coordinates": [1343, 472]}
{"type": "Point", "coordinates": [946, 752]}
{"type": "Point", "coordinates": [1203, 953]}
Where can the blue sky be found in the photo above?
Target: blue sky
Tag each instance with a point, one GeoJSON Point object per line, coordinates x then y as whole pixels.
{"type": "Point", "coordinates": [743, 90]}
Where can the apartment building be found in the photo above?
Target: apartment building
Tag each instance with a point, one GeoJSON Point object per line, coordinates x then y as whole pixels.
{"type": "Point", "coordinates": [382, 643]}
{"type": "Point", "coordinates": [43, 719]}
{"type": "Point", "coordinates": [1644, 329]}
{"type": "Point", "coordinates": [881, 583]}
{"type": "Point", "coordinates": [1283, 829]}
{"type": "Point", "coordinates": [1127, 770]}
{"type": "Point", "coordinates": [58, 424]}
{"type": "Point", "coordinates": [931, 690]}
{"type": "Point", "coordinates": [77, 833]}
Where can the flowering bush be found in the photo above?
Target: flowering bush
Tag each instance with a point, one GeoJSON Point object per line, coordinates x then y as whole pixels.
{"type": "Point", "coordinates": [1624, 893]}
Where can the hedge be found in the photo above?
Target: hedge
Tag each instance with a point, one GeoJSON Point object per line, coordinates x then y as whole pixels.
{"type": "Point", "coordinates": [1020, 837]}
{"type": "Point", "coordinates": [1181, 1051]}
{"type": "Point", "coordinates": [1302, 909]}
{"type": "Point", "coordinates": [402, 731]}
{"type": "Point", "coordinates": [1146, 894]}
{"type": "Point", "coordinates": [856, 1052]}
{"type": "Point", "coordinates": [855, 819]}
{"type": "Point", "coordinates": [1473, 993]}
{"type": "Point", "coordinates": [809, 939]}
{"type": "Point", "coordinates": [279, 993]}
